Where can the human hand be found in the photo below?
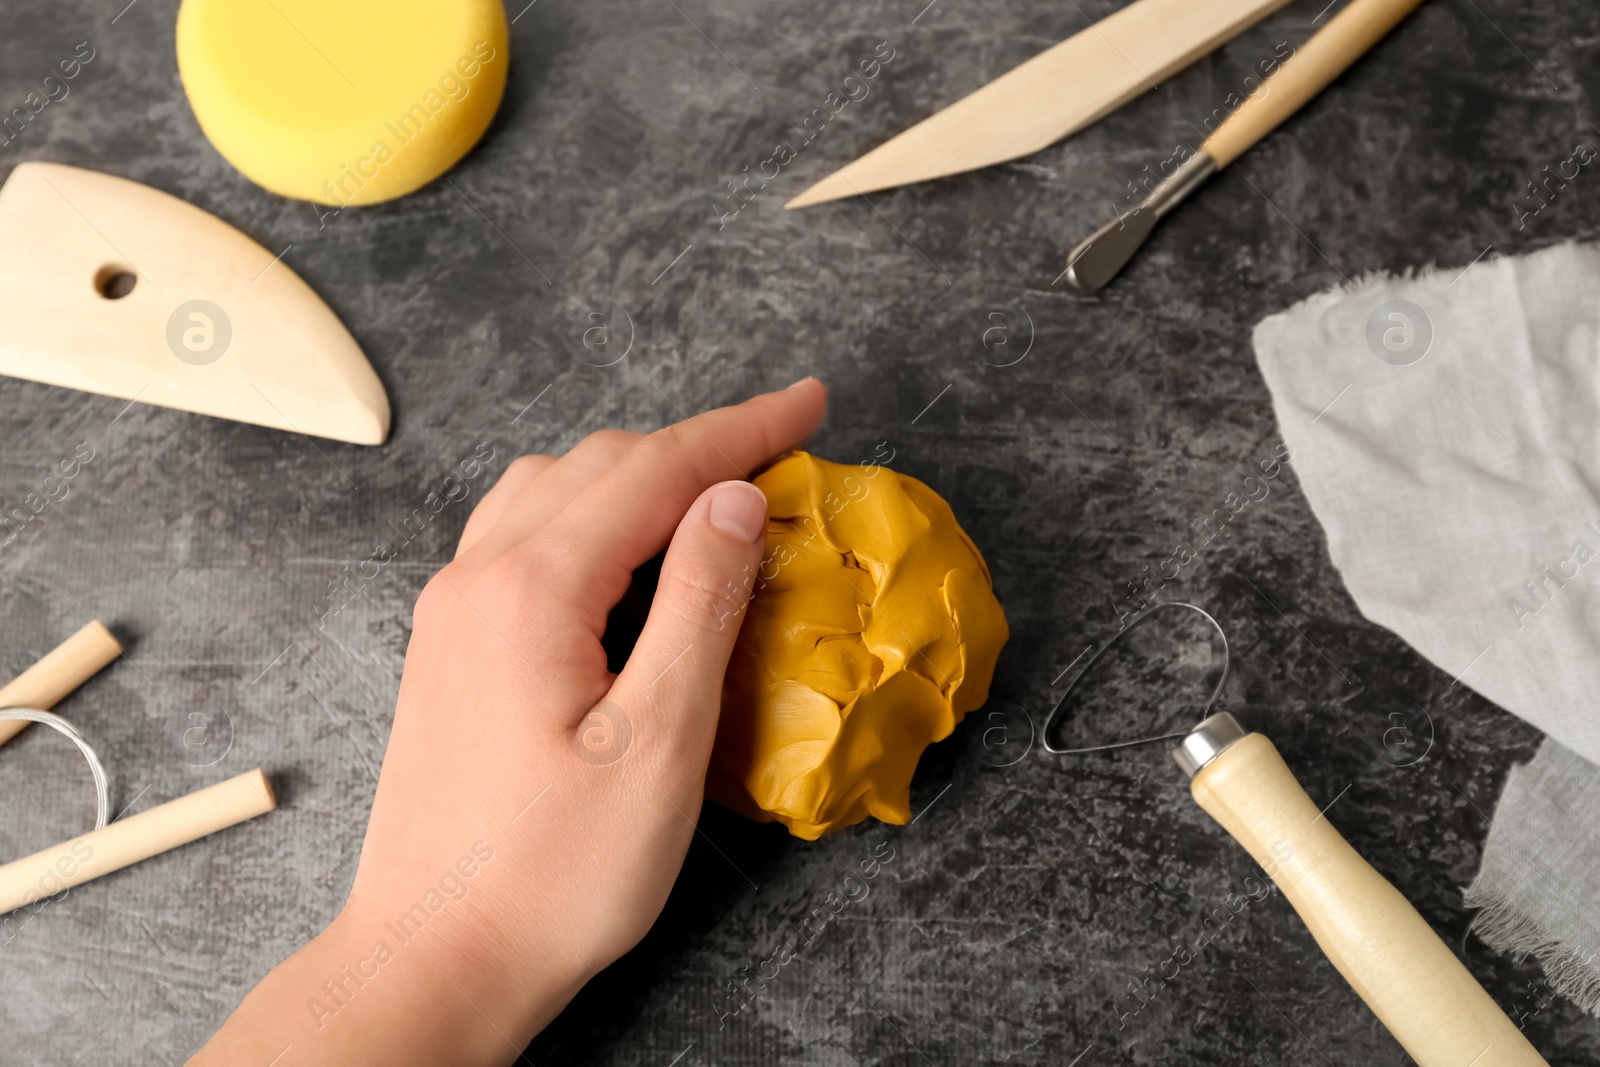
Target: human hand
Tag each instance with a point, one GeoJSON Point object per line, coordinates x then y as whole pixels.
{"type": "Point", "coordinates": [533, 810]}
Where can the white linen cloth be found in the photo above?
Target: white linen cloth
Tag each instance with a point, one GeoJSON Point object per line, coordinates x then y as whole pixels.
{"type": "Point", "coordinates": [1446, 431]}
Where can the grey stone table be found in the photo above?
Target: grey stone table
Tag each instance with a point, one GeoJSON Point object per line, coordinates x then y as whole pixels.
{"type": "Point", "coordinates": [1076, 438]}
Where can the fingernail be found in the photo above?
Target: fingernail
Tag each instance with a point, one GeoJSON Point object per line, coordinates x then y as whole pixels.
{"type": "Point", "coordinates": [802, 381]}
{"type": "Point", "coordinates": [740, 509]}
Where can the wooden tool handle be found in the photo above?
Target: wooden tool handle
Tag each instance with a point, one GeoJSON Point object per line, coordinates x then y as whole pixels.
{"type": "Point", "coordinates": [1345, 38]}
{"type": "Point", "coordinates": [1372, 934]}
{"type": "Point", "coordinates": [46, 683]}
{"type": "Point", "coordinates": [138, 837]}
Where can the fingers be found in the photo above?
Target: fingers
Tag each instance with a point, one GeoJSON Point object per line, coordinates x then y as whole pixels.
{"type": "Point", "coordinates": [518, 476]}
{"type": "Point", "coordinates": [674, 676]}
{"type": "Point", "coordinates": [629, 514]}
{"type": "Point", "coordinates": [534, 488]}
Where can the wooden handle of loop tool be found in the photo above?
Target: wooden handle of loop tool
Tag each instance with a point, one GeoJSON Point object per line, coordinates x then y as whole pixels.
{"type": "Point", "coordinates": [1387, 952]}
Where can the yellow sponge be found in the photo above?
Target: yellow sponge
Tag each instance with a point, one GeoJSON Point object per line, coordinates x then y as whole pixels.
{"type": "Point", "coordinates": [346, 102]}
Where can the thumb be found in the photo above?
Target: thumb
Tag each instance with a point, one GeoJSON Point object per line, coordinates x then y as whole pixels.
{"type": "Point", "coordinates": [672, 683]}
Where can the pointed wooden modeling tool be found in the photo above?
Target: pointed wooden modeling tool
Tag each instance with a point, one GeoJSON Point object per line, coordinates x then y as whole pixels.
{"type": "Point", "coordinates": [1057, 92]}
{"type": "Point", "coordinates": [112, 287]}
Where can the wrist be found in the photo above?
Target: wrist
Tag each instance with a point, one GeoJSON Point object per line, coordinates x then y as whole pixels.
{"type": "Point", "coordinates": [361, 995]}
{"type": "Point", "coordinates": [471, 966]}
{"type": "Point", "coordinates": [355, 995]}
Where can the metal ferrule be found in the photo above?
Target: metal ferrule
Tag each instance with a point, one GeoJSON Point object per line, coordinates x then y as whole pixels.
{"type": "Point", "coordinates": [1206, 742]}
{"type": "Point", "coordinates": [1180, 183]}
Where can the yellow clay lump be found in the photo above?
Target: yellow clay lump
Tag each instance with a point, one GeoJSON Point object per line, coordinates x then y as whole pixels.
{"type": "Point", "coordinates": [346, 102]}
{"type": "Point", "coordinates": [873, 629]}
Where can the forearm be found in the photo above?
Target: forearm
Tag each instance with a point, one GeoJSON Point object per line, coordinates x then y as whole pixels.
{"type": "Point", "coordinates": [366, 992]}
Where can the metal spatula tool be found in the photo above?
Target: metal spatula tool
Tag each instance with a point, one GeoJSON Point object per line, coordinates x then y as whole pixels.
{"type": "Point", "coordinates": [1346, 37]}
{"type": "Point", "coordinates": [1386, 951]}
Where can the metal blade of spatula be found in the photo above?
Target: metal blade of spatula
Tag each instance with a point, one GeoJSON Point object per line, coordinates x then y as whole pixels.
{"type": "Point", "coordinates": [116, 288]}
{"type": "Point", "coordinates": [1057, 92]}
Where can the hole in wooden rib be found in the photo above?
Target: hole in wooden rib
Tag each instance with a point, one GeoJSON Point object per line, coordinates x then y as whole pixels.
{"type": "Point", "coordinates": [114, 282]}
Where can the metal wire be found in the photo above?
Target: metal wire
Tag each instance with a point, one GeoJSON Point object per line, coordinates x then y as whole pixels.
{"type": "Point", "coordinates": [101, 788]}
{"type": "Point", "coordinates": [1044, 735]}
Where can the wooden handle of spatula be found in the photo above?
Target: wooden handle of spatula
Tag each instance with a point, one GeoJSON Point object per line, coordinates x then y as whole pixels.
{"type": "Point", "coordinates": [1345, 39]}
{"type": "Point", "coordinates": [46, 683]}
{"type": "Point", "coordinates": [1385, 950]}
